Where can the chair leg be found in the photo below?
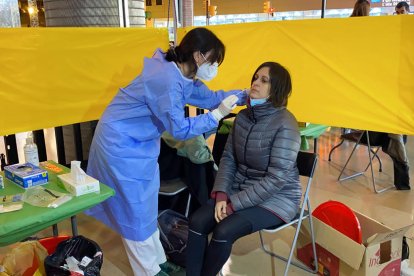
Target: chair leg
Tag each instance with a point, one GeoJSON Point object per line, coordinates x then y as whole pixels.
{"type": "Point", "coordinates": [380, 163]}
{"type": "Point", "coordinates": [372, 169]}
{"type": "Point", "coordinates": [378, 158]}
{"type": "Point", "coordinates": [375, 155]}
{"type": "Point", "coordinates": [330, 152]}
{"type": "Point", "coordinates": [187, 209]}
{"type": "Point", "coordinates": [289, 261]}
{"type": "Point", "coordinates": [316, 263]}
{"type": "Point", "coordinates": [371, 158]}
{"type": "Point", "coordinates": [346, 163]}
{"type": "Point", "coordinates": [292, 249]}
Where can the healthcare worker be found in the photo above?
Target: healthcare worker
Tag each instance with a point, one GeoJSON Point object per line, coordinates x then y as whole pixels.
{"type": "Point", "coordinates": [126, 143]}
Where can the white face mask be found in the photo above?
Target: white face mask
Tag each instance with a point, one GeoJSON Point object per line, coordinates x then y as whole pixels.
{"type": "Point", "coordinates": [207, 71]}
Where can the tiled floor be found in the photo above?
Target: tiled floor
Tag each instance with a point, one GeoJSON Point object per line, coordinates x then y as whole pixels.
{"type": "Point", "coordinates": [392, 208]}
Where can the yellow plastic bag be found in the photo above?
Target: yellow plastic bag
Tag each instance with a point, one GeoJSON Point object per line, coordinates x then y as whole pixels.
{"type": "Point", "coordinates": [16, 262]}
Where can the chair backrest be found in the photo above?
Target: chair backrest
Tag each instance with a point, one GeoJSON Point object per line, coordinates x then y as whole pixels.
{"type": "Point", "coordinates": [306, 162]}
{"type": "Point", "coordinates": [171, 165]}
{"type": "Point", "coordinates": [220, 140]}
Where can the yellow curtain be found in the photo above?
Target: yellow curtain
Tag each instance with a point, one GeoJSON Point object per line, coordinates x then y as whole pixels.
{"type": "Point", "coordinates": [350, 72]}
{"type": "Point", "coordinates": [58, 76]}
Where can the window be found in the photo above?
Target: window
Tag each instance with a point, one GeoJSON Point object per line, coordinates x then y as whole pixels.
{"type": "Point", "coordinates": [148, 2]}
{"type": "Point", "coordinates": [158, 2]}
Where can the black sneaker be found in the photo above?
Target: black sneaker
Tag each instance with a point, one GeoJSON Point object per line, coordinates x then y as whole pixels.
{"type": "Point", "coordinates": [403, 188]}
{"type": "Point", "coordinates": [162, 273]}
{"type": "Point", "coordinates": [169, 267]}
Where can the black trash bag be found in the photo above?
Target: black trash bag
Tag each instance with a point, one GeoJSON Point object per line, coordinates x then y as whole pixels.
{"type": "Point", "coordinates": [173, 229]}
{"type": "Point", "coordinates": [77, 247]}
{"type": "Point", "coordinates": [405, 249]}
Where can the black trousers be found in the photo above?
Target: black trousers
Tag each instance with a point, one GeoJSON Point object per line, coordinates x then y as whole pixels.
{"type": "Point", "coordinates": [401, 169]}
{"type": "Point", "coordinates": [206, 259]}
{"type": "Point", "coordinates": [401, 175]}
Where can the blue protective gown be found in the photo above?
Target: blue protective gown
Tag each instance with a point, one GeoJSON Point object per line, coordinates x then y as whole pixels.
{"type": "Point", "coordinates": [126, 144]}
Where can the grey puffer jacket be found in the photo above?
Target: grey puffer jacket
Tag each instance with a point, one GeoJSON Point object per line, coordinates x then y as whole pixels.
{"type": "Point", "coordinates": [260, 168]}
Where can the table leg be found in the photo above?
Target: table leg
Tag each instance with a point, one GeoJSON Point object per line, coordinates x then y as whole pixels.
{"type": "Point", "coordinates": [304, 145]}
{"type": "Point", "coordinates": [55, 230]}
{"type": "Point", "coordinates": [315, 145]}
{"type": "Point", "coordinates": [74, 225]}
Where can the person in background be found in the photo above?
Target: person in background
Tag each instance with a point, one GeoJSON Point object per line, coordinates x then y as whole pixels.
{"type": "Point", "coordinates": [257, 185]}
{"type": "Point", "coordinates": [361, 8]}
{"type": "Point", "coordinates": [126, 144]}
{"type": "Point", "coordinates": [394, 144]}
{"type": "Point", "coordinates": [402, 8]}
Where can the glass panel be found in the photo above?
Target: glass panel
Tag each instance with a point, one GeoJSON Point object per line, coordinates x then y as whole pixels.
{"type": "Point", "coordinates": [9, 13]}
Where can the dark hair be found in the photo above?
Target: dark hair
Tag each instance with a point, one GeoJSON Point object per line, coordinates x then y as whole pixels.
{"type": "Point", "coordinates": [403, 4]}
{"type": "Point", "coordinates": [361, 8]}
{"type": "Point", "coordinates": [198, 39]}
{"type": "Point", "coordinates": [280, 83]}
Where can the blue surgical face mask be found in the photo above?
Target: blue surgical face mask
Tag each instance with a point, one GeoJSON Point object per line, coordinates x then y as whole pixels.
{"type": "Point", "coordinates": [254, 102]}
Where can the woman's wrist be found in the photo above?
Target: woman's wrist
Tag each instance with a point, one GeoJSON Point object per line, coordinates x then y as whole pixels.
{"type": "Point", "coordinates": [221, 196]}
{"type": "Point", "coordinates": [229, 209]}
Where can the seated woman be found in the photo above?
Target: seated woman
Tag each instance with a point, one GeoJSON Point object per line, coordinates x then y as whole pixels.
{"type": "Point", "coordinates": [257, 185]}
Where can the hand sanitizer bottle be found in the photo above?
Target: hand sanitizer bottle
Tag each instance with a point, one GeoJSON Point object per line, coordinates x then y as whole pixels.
{"type": "Point", "coordinates": [30, 150]}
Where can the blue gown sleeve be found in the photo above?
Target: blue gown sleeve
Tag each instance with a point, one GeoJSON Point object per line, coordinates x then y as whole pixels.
{"type": "Point", "coordinates": [166, 103]}
{"type": "Point", "coordinates": [205, 98]}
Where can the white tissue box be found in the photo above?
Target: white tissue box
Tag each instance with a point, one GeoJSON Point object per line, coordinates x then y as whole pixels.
{"type": "Point", "coordinates": [90, 185]}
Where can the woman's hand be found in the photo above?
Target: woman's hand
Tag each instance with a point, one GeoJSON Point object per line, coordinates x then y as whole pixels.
{"type": "Point", "coordinates": [220, 212]}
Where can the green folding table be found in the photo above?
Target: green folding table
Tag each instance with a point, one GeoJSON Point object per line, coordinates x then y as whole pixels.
{"type": "Point", "coordinates": [18, 225]}
{"type": "Point", "coordinates": [312, 131]}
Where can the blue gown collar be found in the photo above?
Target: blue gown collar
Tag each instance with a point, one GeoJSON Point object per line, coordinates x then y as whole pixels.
{"type": "Point", "coordinates": [160, 56]}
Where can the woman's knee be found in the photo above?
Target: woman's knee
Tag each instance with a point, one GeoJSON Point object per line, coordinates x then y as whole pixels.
{"type": "Point", "coordinates": [199, 221]}
{"type": "Point", "coordinates": [232, 228]}
{"type": "Point", "coordinates": [195, 224]}
{"type": "Point", "coordinates": [223, 234]}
